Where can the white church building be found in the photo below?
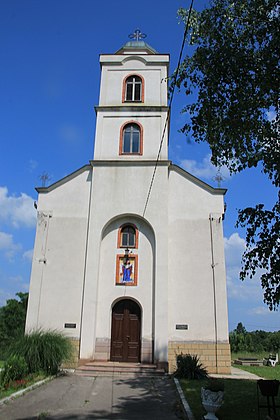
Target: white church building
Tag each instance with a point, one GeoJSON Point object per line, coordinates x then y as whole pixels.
{"type": "Point", "coordinates": [125, 278]}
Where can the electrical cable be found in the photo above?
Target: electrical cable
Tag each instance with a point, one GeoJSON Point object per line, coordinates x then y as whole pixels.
{"type": "Point", "coordinates": [169, 108]}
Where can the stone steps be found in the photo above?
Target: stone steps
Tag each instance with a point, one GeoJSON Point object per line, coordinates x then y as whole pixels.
{"type": "Point", "coordinates": [95, 368]}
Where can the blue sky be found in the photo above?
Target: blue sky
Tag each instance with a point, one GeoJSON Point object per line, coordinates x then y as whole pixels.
{"type": "Point", "coordinates": [49, 85]}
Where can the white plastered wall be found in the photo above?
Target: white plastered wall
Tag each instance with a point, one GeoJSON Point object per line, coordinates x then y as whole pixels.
{"type": "Point", "coordinates": [116, 68]}
{"type": "Point", "coordinates": [59, 255]}
{"type": "Point", "coordinates": [112, 113]}
{"type": "Point", "coordinates": [108, 131]}
{"type": "Point", "coordinates": [196, 298]}
{"type": "Point", "coordinates": [122, 190]}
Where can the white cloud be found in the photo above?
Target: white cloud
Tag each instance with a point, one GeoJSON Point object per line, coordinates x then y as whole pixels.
{"type": "Point", "coordinates": [204, 169]}
{"type": "Point", "coordinates": [259, 310]}
{"type": "Point", "coordinates": [28, 255]}
{"type": "Point", "coordinates": [241, 290]}
{"type": "Point", "coordinates": [17, 211]}
{"type": "Point", "coordinates": [8, 246]}
{"type": "Point", "coordinates": [234, 248]}
{"type": "Point", "coordinates": [6, 240]}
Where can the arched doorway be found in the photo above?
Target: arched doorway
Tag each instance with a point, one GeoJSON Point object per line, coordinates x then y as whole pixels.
{"type": "Point", "coordinates": [126, 330]}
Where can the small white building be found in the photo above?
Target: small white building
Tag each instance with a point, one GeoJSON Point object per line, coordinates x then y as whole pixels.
{"type": "Point", "coordinates": [126, 282]}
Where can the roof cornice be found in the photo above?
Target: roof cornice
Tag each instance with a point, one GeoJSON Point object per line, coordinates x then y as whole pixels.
{"type": "Point", "coordinates": [130, 162]}
{"type": "Point", "coordinates": [133, 162]}
{"type": "Point", "coordinates": [197, 181]}
{"type": "Point", "coordinates": [42, 190]}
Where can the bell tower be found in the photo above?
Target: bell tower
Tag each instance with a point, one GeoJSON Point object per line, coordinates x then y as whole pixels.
{"type": "Point", "coordinates": [132, 104]}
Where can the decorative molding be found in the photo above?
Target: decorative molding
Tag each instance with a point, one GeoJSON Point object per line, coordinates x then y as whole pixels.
{"type": "Point", "coordinates": [132, 162]}
{"type": "Point", "coordinates": [131, 107]}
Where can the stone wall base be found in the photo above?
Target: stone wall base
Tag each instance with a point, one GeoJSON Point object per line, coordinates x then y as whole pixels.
{"type": "Point", "coordinates": [215, 357]}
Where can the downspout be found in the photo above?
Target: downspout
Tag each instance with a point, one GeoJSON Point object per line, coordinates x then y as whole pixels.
{"type": "Point", "coordinates": [44, 217]}
{"type": "Point", "coordinates": [211, 219]}
{"type": "Point", "coordinates": [85, 263]}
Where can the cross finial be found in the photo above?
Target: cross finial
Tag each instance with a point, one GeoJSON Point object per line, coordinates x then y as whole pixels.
{"type": "Point", "coordinates": [218, 177]}
{"type": "Point", "coordinates": [137, 35]}
{"type": "Point", "coordinates": [44, 178]}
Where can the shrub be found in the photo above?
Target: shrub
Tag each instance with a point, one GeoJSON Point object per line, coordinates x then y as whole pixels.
{"type": "Point", "coordinates": [189, 367]}
{"type": "Point", "coordinates": [15, 368]}
{"type": "Point", "coordinates": [43, 350]}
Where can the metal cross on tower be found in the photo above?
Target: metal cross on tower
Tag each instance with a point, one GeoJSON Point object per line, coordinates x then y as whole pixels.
{"type": "Point", "coordinates": [137, 35]}
{"type": "Point", "coordinates": [218, 177]}
{"type": "Point", "coordinates": [44, 178]}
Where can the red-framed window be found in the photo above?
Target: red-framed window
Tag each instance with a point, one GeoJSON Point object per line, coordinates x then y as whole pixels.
{"type": "Point", "coordinates": [131, 139]}
{"type": "Point", "coordinates": [133, 89]}
{"type": "Point", "coordinates": [128, 236]}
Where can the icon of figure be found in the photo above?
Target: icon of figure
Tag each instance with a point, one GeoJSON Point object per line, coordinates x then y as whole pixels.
{"type": "Point", "coordinates": [126, 271]}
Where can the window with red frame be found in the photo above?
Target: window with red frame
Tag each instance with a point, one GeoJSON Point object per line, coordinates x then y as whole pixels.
{"type": "Point", "coordinates": [133, 89]}
{"type": "Point", "coordinates": [131, 139]}
{"type": "Point", "coordinates": [128, 236]}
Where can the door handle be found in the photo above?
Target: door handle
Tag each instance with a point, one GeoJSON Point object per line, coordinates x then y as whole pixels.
{"type": "Point", "coordinates": [128, 336]}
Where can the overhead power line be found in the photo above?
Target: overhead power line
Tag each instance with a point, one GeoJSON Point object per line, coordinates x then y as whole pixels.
{"type": "Point", "coordinates": [169, 108]}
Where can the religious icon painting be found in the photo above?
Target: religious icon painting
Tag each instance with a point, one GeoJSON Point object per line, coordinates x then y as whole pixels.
{"type": "Point", "coordinates": [126, 273]}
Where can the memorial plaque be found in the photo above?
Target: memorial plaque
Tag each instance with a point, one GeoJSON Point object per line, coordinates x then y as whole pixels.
{"type": "Point", "coordinates": [182, 327]}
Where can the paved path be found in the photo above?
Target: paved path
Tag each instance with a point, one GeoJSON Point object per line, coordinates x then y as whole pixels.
{"type": "Point", "coordinates": [237, 373]}
{"type": "Point", "coordinates": [80, 397]}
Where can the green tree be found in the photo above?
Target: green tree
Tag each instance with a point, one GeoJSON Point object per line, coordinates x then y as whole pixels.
{"type": "Point", "coordinates": [234, 71]}
{"type": "Point", "coordinates": [12, 321]}
{"type": "Point", "coordinates": [240, 329]}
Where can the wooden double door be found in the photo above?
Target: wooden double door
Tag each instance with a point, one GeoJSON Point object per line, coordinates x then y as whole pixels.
{"type": "Point", "coordinates": [126, 328]}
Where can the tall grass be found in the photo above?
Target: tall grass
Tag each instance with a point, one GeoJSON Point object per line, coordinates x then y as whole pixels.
{"type": "Point", "coordinates": [43, 350]}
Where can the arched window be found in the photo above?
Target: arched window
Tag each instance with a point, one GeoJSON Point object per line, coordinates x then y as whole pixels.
{"type": "Point", "coordinates": [133, 89]}
{"type": "Point", "coordinates": [128, 237]}
{"type": "Point", "coordinates": [131, 139]}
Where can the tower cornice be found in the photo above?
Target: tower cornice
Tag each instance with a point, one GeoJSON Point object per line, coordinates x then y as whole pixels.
{"type": "Point", "coordinates": [131, 107]}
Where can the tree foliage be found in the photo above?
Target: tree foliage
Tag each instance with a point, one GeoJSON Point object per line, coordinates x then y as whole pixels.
{"type": "Point", "coordinates": [12, 321]}
{"type": "Point", "coordinates": [255, 341]}
{"type": "Point", "coordinates": [234, 71]}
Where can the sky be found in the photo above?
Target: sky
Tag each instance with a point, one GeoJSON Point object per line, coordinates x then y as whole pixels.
{"type": "Point", "coordinates": [49, 85]}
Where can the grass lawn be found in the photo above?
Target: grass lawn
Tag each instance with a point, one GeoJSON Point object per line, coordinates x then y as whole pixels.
{"type": "Point", "coordinates": [266, 372]}
{"type": "Point", "coordinates": [240, 401]}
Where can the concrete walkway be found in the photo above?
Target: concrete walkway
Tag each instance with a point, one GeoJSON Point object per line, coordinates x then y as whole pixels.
{"type": "Point", "coordinates": [80, 397]}
{"type": "Point", "coordinates": [237, 374]}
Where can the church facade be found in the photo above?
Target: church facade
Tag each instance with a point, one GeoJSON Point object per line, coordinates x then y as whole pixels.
{"type": "Point", "coordinates": [125, 278]}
